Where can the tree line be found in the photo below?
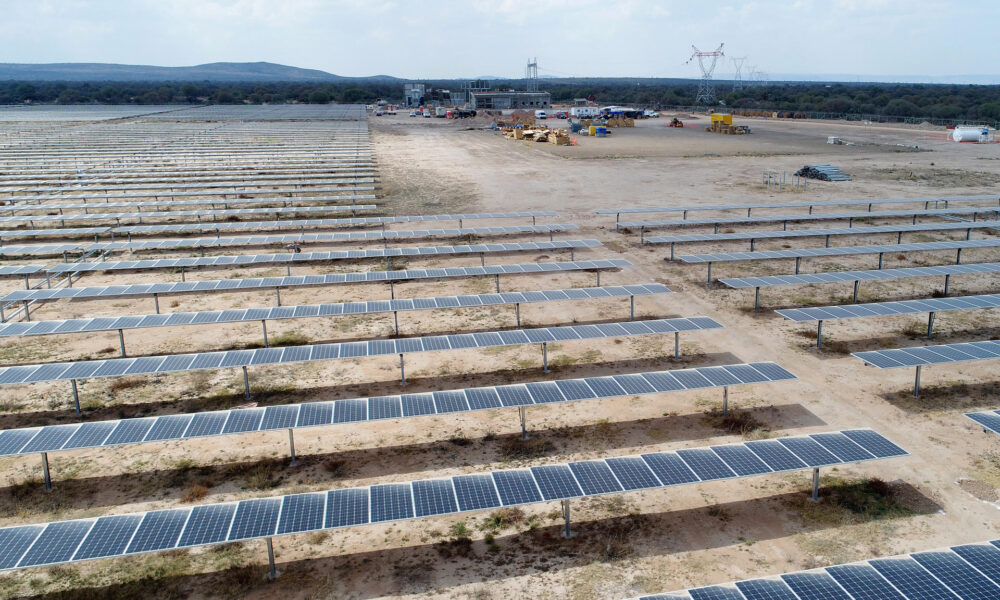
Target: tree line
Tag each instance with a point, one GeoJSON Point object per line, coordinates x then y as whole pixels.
{"type": "Point", "coordinates": [976, 103]}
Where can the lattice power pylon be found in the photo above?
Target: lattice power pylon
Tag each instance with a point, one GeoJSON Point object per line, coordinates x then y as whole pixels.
{"type": "Point", "coordinates": [706, 91]}
{"type": "Point", "coordinates": [531, 76]}
{"type": "Point", "coordinates": [737, 72]}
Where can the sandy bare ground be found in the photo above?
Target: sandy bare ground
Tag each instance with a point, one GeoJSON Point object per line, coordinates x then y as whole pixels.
{"type": "Point", "coordinates": [629, 544]}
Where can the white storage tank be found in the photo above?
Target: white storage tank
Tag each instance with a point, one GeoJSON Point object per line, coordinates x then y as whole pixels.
{"type": "Point", "coordinates": [970, 134]}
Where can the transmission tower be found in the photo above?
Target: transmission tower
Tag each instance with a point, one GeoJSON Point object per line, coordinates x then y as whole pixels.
{"type": "Point", "coordinates": [738, 72]}
{"type": "Point", "coordinates": [531, 75]}
{"type": "Point", "coordinates": [706, 91]}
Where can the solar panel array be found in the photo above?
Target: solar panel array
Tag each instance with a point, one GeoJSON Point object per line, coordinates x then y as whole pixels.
{"type": "Point", "coordinates": [989, 419]}
{"type": "Point", "coordinates": [322, 414]}
{"type": "Point", "coordinates": [883, 309]}
{"type": "Point", "coordinates": [30, 328]}
{"type": "Point", "coordinates": [966, 572]}
{"type": "Point", "coordinates": [174, 363]}
{"type": "Point", "coordinates": [813, 217]}
{"type": "Point", "coordinates": [837, 251]}
{"type": "Point", "coordinates": [274, 195]}
{"type": "Point", "coordinates": [210, 185]}
{"type": "Point", "coordinates": [866, 275]}
{"type": "Point", "coordinates": [232, 285]}
{"type": "Point", "coordinates": [21, 269]}
{"type": "Point", "coordinates": [118, 535]}
{"type": "Point", "coordinates": [161, 214]}
{"type": "Point", "coordinates": [797, 233]}
{"type": "Point", "coordinates": [930, 355]}
{"type": "Point", "coordinates": [702, 207]}
{"type": "Point", "coordinates": [300, 257]}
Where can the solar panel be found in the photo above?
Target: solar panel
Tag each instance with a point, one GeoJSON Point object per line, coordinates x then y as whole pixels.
{"type": "Point", "coordinates": [298, 281]}
{"type": "Point", "coordinates": [836, 251]}
{"type": "Point", "coordinates": [984, 557]}
{"type": "Point", "coordinates": [926, 355]}
{"type": "Point", "coordinates": [716, 593]}
{"type": "Point", "coordinates": [810, 452]}
{"type": "Point", "coordinates": [818, 586]}
{"type": "Point", "coordinates": [869, 275]}
{"type": "Point", "coordinates": [878, 309]}
{"type": "Point", "coordinates": [911, 579]}
{"type": "Point", "coordinates": [669, 468]}
{"type": "Point", "coordinates": [703, 207]}
{"type": "Point", "coordinates": [958, 575]}
{"type": "Point", "coordinates": [765, 589]}
{"type": "Point", "coordinates": [706, 464]}
{"type": "Point", "coordinates": [108, 216]}
{"type": "Point", "coordinates": [265, 517]}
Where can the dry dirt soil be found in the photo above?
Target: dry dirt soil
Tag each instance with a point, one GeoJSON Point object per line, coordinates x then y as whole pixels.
{"type": "Point", "coordinates": [944, 493]}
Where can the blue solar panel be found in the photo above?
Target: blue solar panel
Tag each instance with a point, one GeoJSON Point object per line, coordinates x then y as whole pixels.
{"type": "Point", "coordinates": [57, 543]}
{"type": "Point", "coordinates": [346, 507]}
{"type": "Point", "coordinates": [595, 477]}
{"type": "Point", "coordinates": [633, 473]}
{"type": "Point", "coordinates": [817, 586]}
{"type": "Point", "coordinates": [158, 530]}
{"type": "Point", "coordinates": [302, 512]}
{"type": "Point", "coordinates": [911, 579]}
{"type": "Point", "coordinates": [391, 501]}
{"type": "Point", "coordinates": [279, 417]}
{"type": "Point", "coordinates": [475, 492]}
{"type": "Point", "coordinates": [775, 455]}
{"type": "Point", "coordinates": [516, 487]}
{"type": "Point", "coordinates": [433, 497]}
{"type": "Point", "coordinates": [669, 468]}
{"type": "Point", "coordinates": [315, 413]}
{"type": "Point", "coordinates": [874, 443]}
{"type": "Point", "coordinates": [417, 404]}
{"type": "Point", "coordinates": [706, 464]}
{"type": "Point", "coordinates": [349, 411]}
{"type": "Point", "coordinates": [255, 518]}
{"type": "Point", "coordinates": [842, 446]}
{"type": "Point", "coordinates": [129, 431]}
{"type": "Point", "coordinates": [961, 578]}
{"type": "Point", "coordinates": [715, 593]}
{"type": "Point", "coordinates": [90, 434]}
{"type": "Point", "coordinates": [384, 407]}
{"type": "Point", "coordinates": [14, 541]}
{"type": "Point", "coordinates": [108, 537]}
{"type": "Point", "coordinates": [483, 398]}
{"type": "Point", "coordinates": [741, 460]}
{"type": "Point", "coordinates": [207, 524]}
{"type": "Point", "coordinates": [556, 482]}
{"type": "Point", "coordinates": [984, 557]}
{"type": "Point", "coordinates": [765, 589]}
{"type": "Point", "coordinates": [809, 451]}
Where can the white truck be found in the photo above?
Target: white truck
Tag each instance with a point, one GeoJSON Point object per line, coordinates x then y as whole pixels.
{"type": "Point", "coordinates": [584, 112]}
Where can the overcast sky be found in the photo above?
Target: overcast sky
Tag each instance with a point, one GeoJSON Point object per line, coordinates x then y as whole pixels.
{"type": "Point", "coordinates": [443, 39]}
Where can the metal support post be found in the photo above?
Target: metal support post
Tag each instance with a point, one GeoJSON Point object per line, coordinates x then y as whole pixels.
{"type": "Point", "coordinates": [899, 237]}
{"type": "Point", "coordinates": [517, 313]}
{"type": "Point", "coordinates": [709, 274]}
{"type": "Point", "coordinates": [930, 324]}
{"type": "Point", "coordinates": [545, 357]}
{"type": "Point", "coordinates": [756, 299]}
{"type": "Point", "coordinates": [76, 396]}
{"type": "Point", "coordinates": [880, 254]}
{"type": "Point", "coordinates": [819, 333]}
{"type": "Point", "coordinates": [522, 413]}
{"type": "Point", "coordinates": [277, 295]}
{"type": "Point", "coordinates": [566, 532]}
{"type": "Point", "coordinates": [482, 259]}
{"type": "Point", "coordinates": [671, 252]}
{"type": "Point", "coordinates": [496, 278]}
{"type": "Point", "coordinates": [45, 472]}
{"type": "Point", "coordinates": [815, 494]}
{"type": "Point", "coordinates": [392, 290]}
{"type": "Point", "coordinates": [27, 312]}
{"type": "Point", "coordinates": [598, 278]}
{"type": "Point", "coordinates": [850, 222]}
{"type": "Point", "coordinates": [916, 383]}
{"type": "Point", "coordinates": [631, 308]}
{"type": "Point", "coordinates": [725, 401]}
{"type": "Point", "coordinates": [272, 573]}
{"type": "Point", "coordinates": [156, 303]}
{"type": "Point", "coordinates": [968, 233]}
{"type": "Point", "coordinates": [798, 263]}
{"type": "Point", "coordinates": [395, 321]}
{"type": "Point", "coordinates": [947, 284]}
{"type": "Point", "coordinates": [402, 371]}
{"type": "Point", "coordinates": [263, 325]}
{"type": "Point", "coordinates": [121, 341]}
{"type": "Point", "coordinates": [291, 446]}
{"type": "Point", "coordinates": [752, 244]}
{"type": "Point", "coordinates": [857, 284]}
{"type": "Point", "coordinates": [246, 383]}
{"type": "Point", "coordinates": [958, 257]}
{"type": "Point", "coordinates": [288, 269]}
{"type": "Point", "coordinates": [677, 345]}
{"type": "Point", "coordinates": [182, 275]}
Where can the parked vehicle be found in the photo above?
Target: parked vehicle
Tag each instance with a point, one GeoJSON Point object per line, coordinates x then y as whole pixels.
{"type": "Point", "coordinates": [414, 113]}
{"type": "Point", "coordinates": [584, 112]}
{"type": "Point", "coordinates": [540, 114]}
{"type": "Point", "coordinates": [651, 114]}
{"type": "Point", "coordinates": [561, 115]}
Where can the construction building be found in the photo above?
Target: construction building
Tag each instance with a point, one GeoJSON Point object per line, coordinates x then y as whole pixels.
{"type": "Point", "coordinates": [414, 94]}
{"type": "Point", "coordinates": [510, 100]}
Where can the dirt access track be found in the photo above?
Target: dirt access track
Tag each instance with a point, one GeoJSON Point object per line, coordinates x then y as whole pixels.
{"type": "Point", "coordinates": [626, 545]}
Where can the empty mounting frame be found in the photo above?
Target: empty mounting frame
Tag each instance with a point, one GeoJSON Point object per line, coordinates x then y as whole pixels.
{"type": "Point", "coordinates": [126, 534]}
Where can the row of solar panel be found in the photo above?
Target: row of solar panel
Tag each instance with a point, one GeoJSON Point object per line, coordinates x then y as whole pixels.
{"type": "Point", "coordinates": [247, 178]}
{"type": "Point", "coordinates": [946, 199]}
{"type": "Point", "coordinates": [71, 541]}
{"type": "Point", "coordinates": [283, 193]}
{"type": "Point", "coordinates": [219, 285]}
{"type": "Point", "coordinates": [321, 414]}
{"type": "Point", "coordinates": [96, 216]}
{"type": "Point", "coordinates": [867, 275]}
{"type": "Point", "coordinates": [173, 363]}
{"type": "Point", "coordinates": [989, 419]}
{"type": "Point", "coordinates": [299, 257]}
{"type": "Point", "coordinates": [930, 355]}
{"type": "Point", "coordinates": [837, 251]}
{"type": "Point", "coordinates": [276, 239]}
{"type": "Point", "coordinates": [168, 203]}
{"type": "Point", "coordinates": [967, 572]}
{"type": "Point", "coordinates": [26, 328]}
{"type": "Point", "coordinates": [67, 177]}
{"type": "Point", "coordinates": [797, 233]}
{"type": "Point", "coordinates": [278, 210]}
{"type": "Point", "coordinates": [882, 309]}
{"type": "Point", "coordinates": [181, 186]}
{"type": "Point", "coordinates": [813, 217]}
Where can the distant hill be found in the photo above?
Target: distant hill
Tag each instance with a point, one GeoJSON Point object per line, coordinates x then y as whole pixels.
{"type": "Point", "coordinates": [220, 71]}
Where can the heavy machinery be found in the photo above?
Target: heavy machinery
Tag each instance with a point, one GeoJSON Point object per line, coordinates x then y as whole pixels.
{"type": "Point", "coordinates": [675, 122]}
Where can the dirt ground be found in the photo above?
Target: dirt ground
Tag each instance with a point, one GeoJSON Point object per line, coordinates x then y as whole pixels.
{"type": "Point", "coordinates": [626, 545]}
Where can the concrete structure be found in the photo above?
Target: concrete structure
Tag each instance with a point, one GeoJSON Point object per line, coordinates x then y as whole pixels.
{"type": "Point", "coordinates": [414, 94]}
{"type": "Point", "coordinates": [510, 100]}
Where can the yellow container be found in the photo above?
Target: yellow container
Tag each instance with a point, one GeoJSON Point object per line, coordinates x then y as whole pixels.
{"type": "Point", "coordinates": [593, 130]}
{"type": "Point", "coordinates": [727, 119]}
